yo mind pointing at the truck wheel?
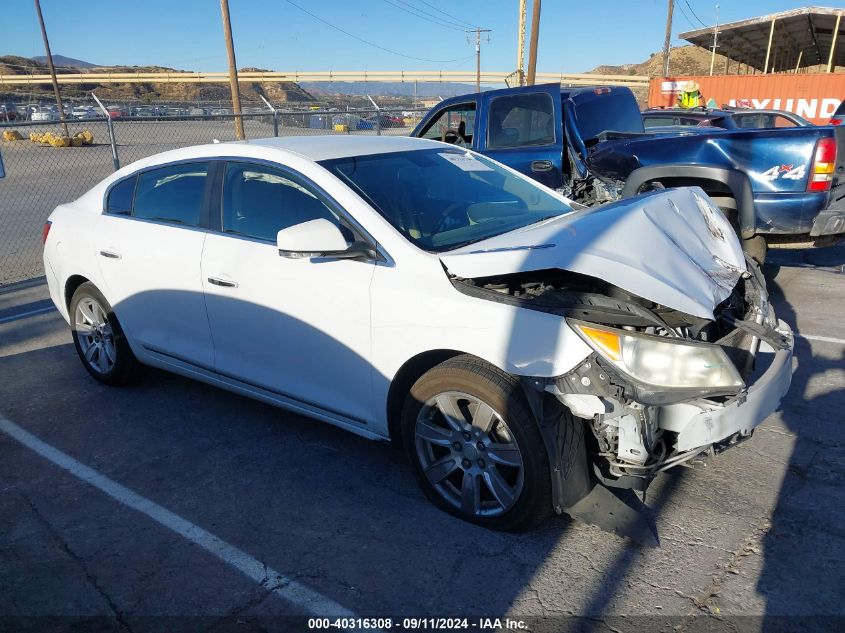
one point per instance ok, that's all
(475, 447)
(756, 248)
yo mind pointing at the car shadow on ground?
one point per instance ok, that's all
(802, 576)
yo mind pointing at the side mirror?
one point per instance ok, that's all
(319, 238)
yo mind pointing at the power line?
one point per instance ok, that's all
(443, 24)
(686, 15)
(448, 15)
(368, 43)
(694, 14)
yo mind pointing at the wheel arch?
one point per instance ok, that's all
(73, 282)
(710, 178)
(411, 371)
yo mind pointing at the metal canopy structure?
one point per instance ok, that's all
(779, 42)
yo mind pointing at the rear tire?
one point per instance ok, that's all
(99, 339)
(484, 459)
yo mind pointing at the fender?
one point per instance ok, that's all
(736, 181)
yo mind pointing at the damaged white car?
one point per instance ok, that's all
(528, 354)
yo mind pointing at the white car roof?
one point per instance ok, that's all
(324, 147)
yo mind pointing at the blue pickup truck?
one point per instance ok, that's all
(779, 187)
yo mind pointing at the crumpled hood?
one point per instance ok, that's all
(673, 247)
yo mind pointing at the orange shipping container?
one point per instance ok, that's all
(813, 96)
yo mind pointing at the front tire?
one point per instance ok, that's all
(99, 339)
(475, 447)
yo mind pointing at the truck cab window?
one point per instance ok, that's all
(453, 125)
(521, 120)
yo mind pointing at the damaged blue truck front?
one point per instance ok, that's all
(780, 187)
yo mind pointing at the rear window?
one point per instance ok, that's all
(657, 121)
(840, 109)
(617, 112)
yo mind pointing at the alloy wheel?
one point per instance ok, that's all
(468, 454)
(95, 335)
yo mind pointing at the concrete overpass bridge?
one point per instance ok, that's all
(375, 76)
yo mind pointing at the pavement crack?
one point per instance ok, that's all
(89, 576)
(703, 603)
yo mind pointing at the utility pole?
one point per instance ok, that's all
(668, 40)
(715, 39)
(478, 31)
(52, 68)
(520, 43)
(233, 71)
(532, 48)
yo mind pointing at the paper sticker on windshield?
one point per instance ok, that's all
(467, 162)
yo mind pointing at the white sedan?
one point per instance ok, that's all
(526, 353)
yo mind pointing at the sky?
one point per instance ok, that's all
(288, 35)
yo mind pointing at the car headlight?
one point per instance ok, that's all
(662, 362)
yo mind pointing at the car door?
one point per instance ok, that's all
(149, 244)
(297, 327)
(524, 131)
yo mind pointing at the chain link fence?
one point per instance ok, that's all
(39, 177)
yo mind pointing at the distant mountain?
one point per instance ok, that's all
(387, 88)
(61, 60)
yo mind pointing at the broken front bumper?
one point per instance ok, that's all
(705, 422)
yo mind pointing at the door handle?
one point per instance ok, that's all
(111, 254)
(541, 165)
(225, 283)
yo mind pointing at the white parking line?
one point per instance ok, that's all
(24, 315)
(823, 339)
(279, 584)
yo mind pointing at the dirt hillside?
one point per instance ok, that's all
(276, 92)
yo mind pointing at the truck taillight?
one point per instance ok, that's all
(824, 163)
(835, 121)
(45, 231)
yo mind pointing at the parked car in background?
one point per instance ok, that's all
(728, 119)
(8, 112)
(383, 120)
(782, 187)
(569, 349)
(84, 112)
(117, 112)
(45, 114)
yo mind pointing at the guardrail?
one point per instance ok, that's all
(375, 76)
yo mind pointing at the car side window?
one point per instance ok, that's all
(174, 193)
(521, 120)
(259, 202)
(120, 197)
(453, 125)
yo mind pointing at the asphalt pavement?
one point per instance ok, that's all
(171, 505)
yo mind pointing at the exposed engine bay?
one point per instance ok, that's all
(634, 431)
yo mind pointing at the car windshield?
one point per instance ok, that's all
(441, 199)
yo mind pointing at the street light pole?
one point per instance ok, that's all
(52, 68)
(233, 71)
